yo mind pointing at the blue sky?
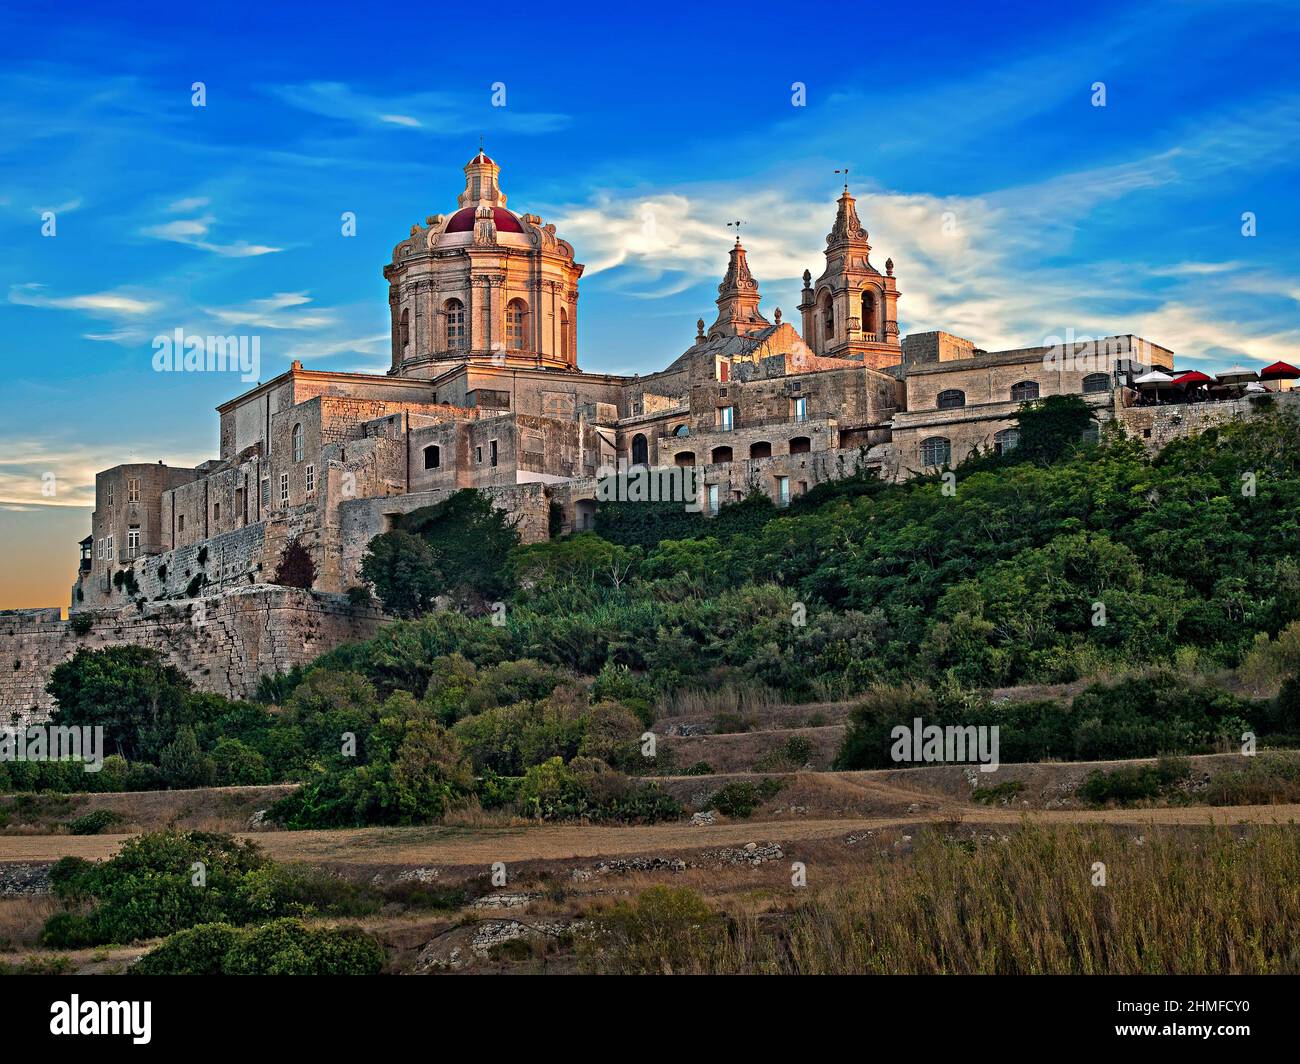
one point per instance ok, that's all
(639, 135)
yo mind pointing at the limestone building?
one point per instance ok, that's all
(484, 391)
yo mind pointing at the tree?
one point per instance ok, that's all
(1051, 427)
(296, 569)
(471, 541)
(404, 572)
(183, 764)
(129, 691)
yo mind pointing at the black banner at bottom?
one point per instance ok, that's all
(184, 1014)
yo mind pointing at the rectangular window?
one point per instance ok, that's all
(109, 495)
(726, 418)
(311, 480)
(266, 491)
(478, 455)
(99, 549)
(801, 409)
(783, 491)
(133, 490)
(216, 512)
(713, 495)
(132, 542)
(180, 523)
(284, 489)
(492, 451)
(109, 547)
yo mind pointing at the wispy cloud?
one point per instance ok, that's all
(104, 304)
(193, 232)
(438, 113)
(184, 206)
(271, 313)
(992, 266)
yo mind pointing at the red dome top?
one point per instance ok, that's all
(463, 221)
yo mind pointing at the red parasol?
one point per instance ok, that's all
(1193, 378)
(1279, 371)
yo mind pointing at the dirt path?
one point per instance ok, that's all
(467, 846)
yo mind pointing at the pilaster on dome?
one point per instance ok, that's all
(482, 183)
(738, 299)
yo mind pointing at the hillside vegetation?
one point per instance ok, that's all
(1058, 562)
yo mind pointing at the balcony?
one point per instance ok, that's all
(738, 423)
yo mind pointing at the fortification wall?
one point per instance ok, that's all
(1157, 426)
(225, 643)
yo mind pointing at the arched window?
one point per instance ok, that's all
(721, 454)
(1096, 382)
(682, 430)
(800, 444)
(640, 450)
(1006, 441)
(870, 327)
(951, 399)
(404, 329)
(684, 458)
(516, 315)
(454, 310)
(1024, 391)
(936, 451)
(761, 449)
(432, 456)
(828, 319)
(298, 453)
(564, 334)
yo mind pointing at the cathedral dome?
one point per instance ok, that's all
(463, 221)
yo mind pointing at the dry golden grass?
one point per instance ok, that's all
(1206, 902)
(22, 918)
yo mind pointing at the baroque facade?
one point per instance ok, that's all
(485, 392)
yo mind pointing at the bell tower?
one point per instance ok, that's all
(738, 299)
(852, 310)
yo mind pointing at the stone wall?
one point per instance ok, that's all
(224, 643)
(1157, 426)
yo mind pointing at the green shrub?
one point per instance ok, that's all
(149, 887)
(282, 947)
(1133, 783)
(68, 930)
(289, 947)
(740, 798)
(81, 623)
(94, 822)
(1003, 792)
(197, 950)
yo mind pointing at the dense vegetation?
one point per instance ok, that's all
(1056, 562)
(281, 947)
(167, 881)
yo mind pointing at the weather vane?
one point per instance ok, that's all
(845, 172)
(737, 223)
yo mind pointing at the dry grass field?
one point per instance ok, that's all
(905, 870)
